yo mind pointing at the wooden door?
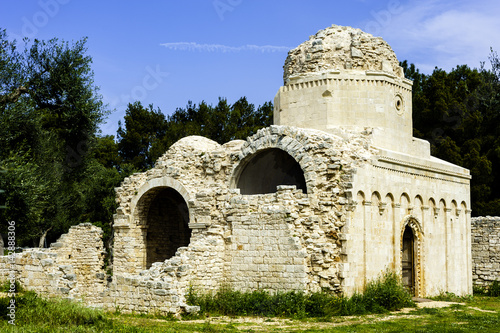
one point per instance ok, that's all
(407, 260)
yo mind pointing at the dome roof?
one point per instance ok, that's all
(197, 143)
(339, 48)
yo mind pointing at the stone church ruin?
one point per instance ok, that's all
(331, 195)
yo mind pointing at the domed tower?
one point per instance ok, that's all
(345, 79)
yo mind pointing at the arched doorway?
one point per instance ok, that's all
(269, 168)
(167, 225)
(408, 260)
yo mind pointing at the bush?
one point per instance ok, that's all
(494, 289)
(229, 302)
(384, 294)
(478, 290)
(387, 293)
(5, 286)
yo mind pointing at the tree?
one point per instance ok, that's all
(147, 134)
(50, 111)
(143, 128)
(459, 114)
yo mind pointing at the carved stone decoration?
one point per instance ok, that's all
(382, 207)
(436, 212)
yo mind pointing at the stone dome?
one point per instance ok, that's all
(197, 143)
(339, 48)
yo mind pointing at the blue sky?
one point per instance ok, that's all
(168, 52)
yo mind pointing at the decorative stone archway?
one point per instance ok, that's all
(411, 245)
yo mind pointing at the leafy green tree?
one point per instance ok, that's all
(50, 111)
(143, 128)
(459, 113)
(221, 123)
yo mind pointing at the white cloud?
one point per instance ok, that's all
(191, 46)
(443, 33)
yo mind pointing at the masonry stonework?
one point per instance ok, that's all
(72, 268)
(486, 250)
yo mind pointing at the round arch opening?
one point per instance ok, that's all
(167, 225)
(268, 169)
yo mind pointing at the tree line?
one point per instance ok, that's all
(58, 170)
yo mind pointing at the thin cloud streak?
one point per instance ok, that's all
(444, 33)
(192, 46)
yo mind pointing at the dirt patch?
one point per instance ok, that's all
(481, 310)
(437, 304)
(260, 324)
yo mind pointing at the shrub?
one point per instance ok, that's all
(5, 286)
(257, 303)
(319, 304)
(478, 290)
(384, 294)
(494, 289)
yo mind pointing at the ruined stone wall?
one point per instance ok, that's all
(71, 268)
(485, 250)
(195, 167)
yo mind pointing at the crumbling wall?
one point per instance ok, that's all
(485, 250)
(71, 268)
(288, 240)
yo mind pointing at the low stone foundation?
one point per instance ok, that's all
(485, 250)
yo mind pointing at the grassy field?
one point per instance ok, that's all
(474, 314)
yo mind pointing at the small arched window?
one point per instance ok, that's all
(269, 168)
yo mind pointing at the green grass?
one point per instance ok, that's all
(35, 314)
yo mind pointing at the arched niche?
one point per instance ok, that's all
(418, 205)
(167, 226)
(160, 210)
(376, 199)
(263, 171)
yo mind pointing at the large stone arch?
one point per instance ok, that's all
(266, 144)
(411, 222)
(160, 209)
(262, 172)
